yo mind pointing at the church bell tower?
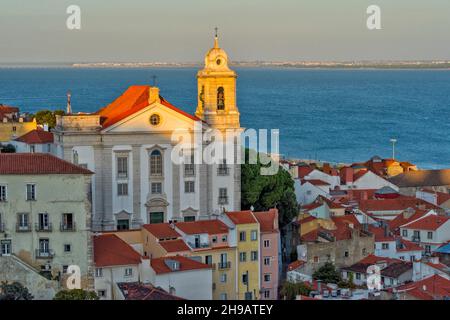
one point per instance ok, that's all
(217, 91)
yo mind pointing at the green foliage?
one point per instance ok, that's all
(7, 148)
(265, 192)
(327, 273)
(48, 117)
(76, 294)
(14, 291)
(291, 290)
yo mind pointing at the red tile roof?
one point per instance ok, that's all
(172, 246)
(307, 219)
(241, 217)
(36, 136)
(134, 99)
(402, 218)
(203, 226)
(268, 221)
(434, 287)
(430, 222)
(4, 110)
(110, 250)
(296, 264)
(346, 220)
(408, 246)
(397, 204)
(185, 264)
(138, 291)
(380, 234)
(36, 164)
(161, 230)
(316, 182)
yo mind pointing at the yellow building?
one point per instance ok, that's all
(247, 236)
(12, 125)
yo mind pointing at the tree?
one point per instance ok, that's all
(268, 191)
(8, 148)
(327, 273)
(14, 291)
(291, 290)
(76, 294)
(48, 117)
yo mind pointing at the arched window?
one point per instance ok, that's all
(156, 163)
(220, 98)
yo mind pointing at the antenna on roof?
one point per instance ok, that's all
(154, 77)
(69, 106)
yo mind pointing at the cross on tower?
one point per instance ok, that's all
(217, 31)
(154, 77)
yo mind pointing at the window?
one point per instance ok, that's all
(44, 247)
(189, 186)
(156, 163)
(242, 236)
(346, 254)
(5, 247)
(64, 268)
(214, 239)
(405, 232)
(98, 272)
(316, 259)
(427, 248)
(155, 119)
(430, 235)
(43, 222)
(248, 296)
(267, 277)
(101, 293)
(32, 148)
(385, 246)
(208, 260)
(245, 278)
(358, 276)
(402, 258)
(156, 187)
(267, 261)
(123, 224)
(189, 219)
(67, 223)
(122, 189)
(67, 248)
(3, 193)
(223, 277)
(128, 272)
(122, 167)
(243, 256)
(220, 98)
(254, 235)
(156, 217)
(266, 243)
(412, 258)
(254, 255)
(223, 296)
(364, 251)
(223, 169)
(31, 192)
(23, 221)
(266, 294)
(223, 196)
(224, 238)
(189, 167)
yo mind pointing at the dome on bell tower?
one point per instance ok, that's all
(216, 59)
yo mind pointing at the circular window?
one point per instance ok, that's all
(218, 62)
(155, 119)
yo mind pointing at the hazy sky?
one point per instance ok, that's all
(182, 30)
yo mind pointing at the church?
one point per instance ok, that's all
(128, 145)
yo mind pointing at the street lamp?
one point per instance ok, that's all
(393, 141)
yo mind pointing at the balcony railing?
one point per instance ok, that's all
(201, 245)
(2, 227)
(23, 227)
(43, 227)
(223, 171)
(224, 265)
(189, 171)
(44, 254)
(223, 200)
(68, 227)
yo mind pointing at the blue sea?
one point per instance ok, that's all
(328, 115)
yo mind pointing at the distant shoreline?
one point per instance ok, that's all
(357, 65)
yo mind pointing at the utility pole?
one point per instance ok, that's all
(393, 141)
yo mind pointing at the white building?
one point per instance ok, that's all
(306, 191)
(38, 140)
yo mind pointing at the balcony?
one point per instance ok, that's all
(224, 265)
(68, 227)
(44, 254)
(223, 171)
(2, 227)
(202, 245)
(39, 227)
(416, 238)
(223, 200)
(189, 171)
(23, 227)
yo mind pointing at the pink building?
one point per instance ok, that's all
(270, 248)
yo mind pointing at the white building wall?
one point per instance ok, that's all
(192, 285)
(113, 275)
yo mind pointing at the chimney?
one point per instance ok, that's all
(145, 270)
(364, 195)
(153, 95)
(347, 175)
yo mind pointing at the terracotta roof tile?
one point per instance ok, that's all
(172, 246)
(429, 288)
(296, 264)
(36, 136)
(268, 221)
(110, 250)
(203, 226)
(36, 164)
(430, 222)
(138, 291)
(162, 230)
(185, 264)
(241, 217)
